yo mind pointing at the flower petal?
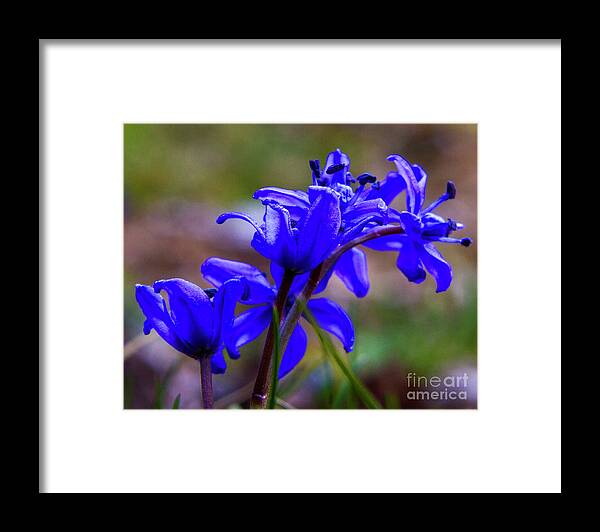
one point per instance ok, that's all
(421, 176)
(318, 230)
(295, 201)
(386, 243)
(358, 229)
(352, 269)
(247, 327)
(191, 311)
(224, 302)
(324, 281)
(436, 226)
(437, 266)
(374, 209)
(411, 223)
(216, 271)
(409, 263)
(389, 188)
(414, 193)
(217, 363)
(294, 351)
(336, 159)
(157, 318)
(298, 282)
(333, 318)
(393, 216)
(278, 241)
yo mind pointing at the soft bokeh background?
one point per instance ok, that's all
(179, 178)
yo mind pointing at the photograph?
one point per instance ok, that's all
(300, 266)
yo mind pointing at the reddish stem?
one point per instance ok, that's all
(260, 394)
(206, 381)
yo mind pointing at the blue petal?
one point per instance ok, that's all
(409, 262)
(421, 180)
(374, 209)
(389, 188)
(351, 268)
(318, 230)
(333, 318)
(437, 266)
(346, 195)
(278, 241)
(295, 201)
(299, 281)
(386, 243)
(324, 281)
(435, 226)
(217, 363)
(393, 216)
(358, 229)
(294, 351)
(246, 328)
(216, 271)
(297, 284)
(191, 311)
(412, 224)
(154, 308)
(414, 193)
(335, 159)
(224, 302)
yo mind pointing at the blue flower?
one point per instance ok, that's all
(422, 227)
(297, 243)
(251, 323)
(357, 208)
(195, 321)
(358, 211)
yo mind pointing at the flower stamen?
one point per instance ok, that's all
(448, 195)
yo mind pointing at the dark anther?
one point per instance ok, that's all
(315, 166)
(335, 168)
(363, 179)
(451, 190)
(466, 242)
(210, 292)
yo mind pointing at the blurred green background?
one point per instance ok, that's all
(179, 178)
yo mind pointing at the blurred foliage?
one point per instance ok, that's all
(225, 163)
(178, 178)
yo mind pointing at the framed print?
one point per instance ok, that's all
(300, 266)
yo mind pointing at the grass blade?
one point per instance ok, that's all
(359, 388)
(284, 404)
(161, 386)
(177, 402)
(276, 360)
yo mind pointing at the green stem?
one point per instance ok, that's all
(276, 360)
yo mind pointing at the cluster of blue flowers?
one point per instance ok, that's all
(299, 232)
